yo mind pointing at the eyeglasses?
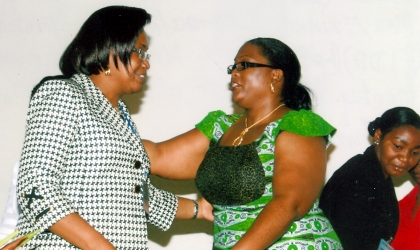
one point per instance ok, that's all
(142, 54)
(244, 65)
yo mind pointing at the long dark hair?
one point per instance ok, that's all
(280, 56)
(394, 118)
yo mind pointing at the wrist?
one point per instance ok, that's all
(195, 210)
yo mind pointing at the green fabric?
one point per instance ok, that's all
(206, 126)
(314, 231)
(306, 123)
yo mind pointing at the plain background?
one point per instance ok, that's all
(360, 58)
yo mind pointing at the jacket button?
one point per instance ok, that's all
(137, 189)
(137, 165)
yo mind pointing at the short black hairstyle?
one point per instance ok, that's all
(394, 118)
(111, 29)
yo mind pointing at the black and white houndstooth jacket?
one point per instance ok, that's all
(79, 155)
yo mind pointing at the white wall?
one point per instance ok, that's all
(359, 58)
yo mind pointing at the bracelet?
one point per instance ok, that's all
(195, 210)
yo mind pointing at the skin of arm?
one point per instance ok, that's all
(179, 157)
(298, 178)
(78, 232)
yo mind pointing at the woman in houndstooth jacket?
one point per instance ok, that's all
(83, 180)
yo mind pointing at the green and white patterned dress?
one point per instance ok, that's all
(238, 182)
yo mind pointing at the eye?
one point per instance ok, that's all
(397, 146)
(415, 153)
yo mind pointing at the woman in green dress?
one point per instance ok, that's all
(262, 170)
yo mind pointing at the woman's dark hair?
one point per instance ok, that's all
(394, 118)
(113, 28)
(280, 56)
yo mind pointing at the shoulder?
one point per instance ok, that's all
(306, 123)
(218, 116)
(218, 120)
(354, 173)
(60, 87)
(214, 115)
(55, 95)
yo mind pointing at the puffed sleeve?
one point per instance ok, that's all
(50, 127)
(306, 123)
(207, 125)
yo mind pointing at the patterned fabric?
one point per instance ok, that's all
(80, 156)
(313, 231)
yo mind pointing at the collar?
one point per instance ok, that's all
(100, 105)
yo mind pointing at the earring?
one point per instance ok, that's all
(108, 72)
(376, 143)
(272, 87)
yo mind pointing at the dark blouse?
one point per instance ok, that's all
(231, 175)
(360, 203)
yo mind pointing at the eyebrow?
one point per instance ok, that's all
(405, 142)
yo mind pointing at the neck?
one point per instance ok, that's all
(106, 86)
(256, 114)
(248, 126)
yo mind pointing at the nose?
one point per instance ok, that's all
(145, 63)
(404, 158)
(234, 72)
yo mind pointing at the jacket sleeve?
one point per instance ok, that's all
(50, 127)
(163, 207)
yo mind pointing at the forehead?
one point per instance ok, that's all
(142, 41)
(406, 133)
(250, 52)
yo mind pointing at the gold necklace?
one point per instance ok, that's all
(241, 136)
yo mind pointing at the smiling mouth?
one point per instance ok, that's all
(399, 169)
(142, 76)
(234, 85)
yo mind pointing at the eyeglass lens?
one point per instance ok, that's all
(238, 66)
(142, 54)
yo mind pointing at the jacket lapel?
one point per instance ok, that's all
(106, 112)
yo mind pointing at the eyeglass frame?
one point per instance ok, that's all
(146, 56)
(246, 65)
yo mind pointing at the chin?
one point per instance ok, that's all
(237, 101)
(137, 89)
(396, 173)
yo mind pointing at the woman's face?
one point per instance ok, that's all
(415, 173)
(251, 85)
(398, 150)
(131, 80)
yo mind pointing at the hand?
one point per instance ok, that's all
(205, 210)
(14, 244)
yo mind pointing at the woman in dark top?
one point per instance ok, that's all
(359, 199)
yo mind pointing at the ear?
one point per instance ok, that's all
(378, 135)
(277, 75)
